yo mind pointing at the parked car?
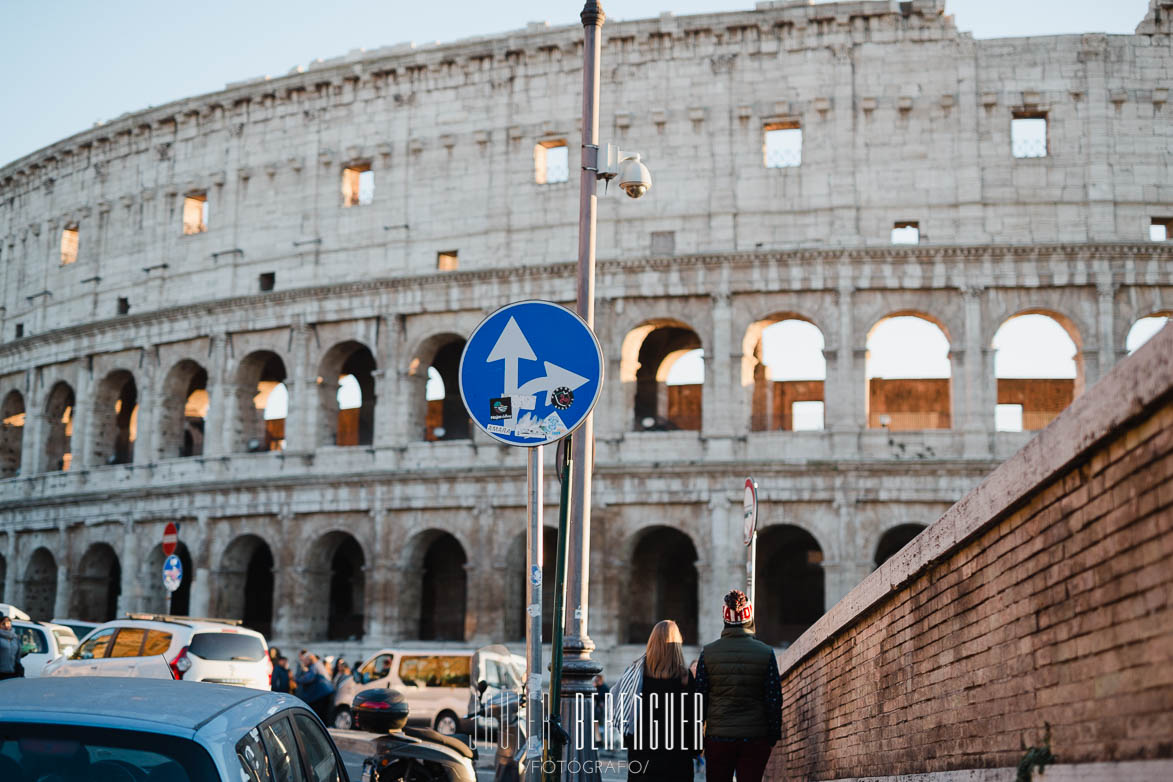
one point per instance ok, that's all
(12, 612)
(435, 683)
(80, 627)
(41, 643)
(201, 650)
(143, 730)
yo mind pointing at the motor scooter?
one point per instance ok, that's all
(404, 754)
(502, 705)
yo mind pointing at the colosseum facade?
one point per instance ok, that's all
(169, 273)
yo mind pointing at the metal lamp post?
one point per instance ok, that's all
(579, 669)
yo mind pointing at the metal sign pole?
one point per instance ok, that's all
(553, 770)
(533, 625)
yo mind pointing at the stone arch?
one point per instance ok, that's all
(435, 596)
(155, 594)
(40, 585)
(336, 559)
(663, 584)
(12, 420)
(59, 414)
(646, 357)
(517, 585)
(245, 583)
(3, 576)
(790, 583)
(775, 394)
(1032, 386)
(1144, 328)
(895, 539)
(903, 394)
(97, 583)
(445, 417)
(258, 375)
(183, 411)
(353, 425)
(115, 418)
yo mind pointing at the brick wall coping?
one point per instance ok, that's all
(1132, 386)
(1122, 771)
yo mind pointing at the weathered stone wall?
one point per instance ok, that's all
(904, 118)
(1042, 598)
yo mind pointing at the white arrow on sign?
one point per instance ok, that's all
(511, 347)
(556, 377)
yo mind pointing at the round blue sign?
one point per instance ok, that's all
(531, 373)
(172, 573)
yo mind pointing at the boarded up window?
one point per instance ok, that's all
(1028, 134)
(551, 162)
(782, 144)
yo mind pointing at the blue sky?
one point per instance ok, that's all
(69, 63)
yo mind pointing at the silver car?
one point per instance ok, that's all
(148, 730)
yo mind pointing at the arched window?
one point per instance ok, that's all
(155, 594)
(40, 585)
(96, 585)
(262, 401)
(11, 434)
(908, 375)
(183, 411)
(895, 539)
(336, 562)
(1143, 330)
(1035, 362)
(346, 389)
(115, 419)
(665, 359)
(663, 585)
(789, 372)
(245, 583)
(447, 418)
(443, 590)
(790, 584)
(59, 412)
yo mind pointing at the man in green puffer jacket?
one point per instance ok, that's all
(738, 675)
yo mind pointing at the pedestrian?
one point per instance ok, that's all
(601, 690)
(281, 678)
(738, 676)
(313, 685)
(10, 667)
(274, 653)
(665, 737)
(341, 672)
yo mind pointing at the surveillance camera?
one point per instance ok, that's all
(634, 177)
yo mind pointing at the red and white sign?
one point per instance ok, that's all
(170, 538)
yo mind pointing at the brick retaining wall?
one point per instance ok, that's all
(1043, 596)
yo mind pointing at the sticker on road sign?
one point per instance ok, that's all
(535, 575)
(172, 573)
(530, 373)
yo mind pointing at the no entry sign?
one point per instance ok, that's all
(170, 538)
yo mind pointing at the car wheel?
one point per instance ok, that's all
(446, 723)
(343, 719)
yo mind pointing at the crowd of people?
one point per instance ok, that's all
(314, 679)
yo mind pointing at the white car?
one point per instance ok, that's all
(202, 650)
(142, 730)
(12, 612)
(41, 643)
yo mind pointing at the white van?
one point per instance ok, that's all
(41, 643)
(436, 683)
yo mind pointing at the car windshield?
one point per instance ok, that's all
(227, 646)
(72, 753)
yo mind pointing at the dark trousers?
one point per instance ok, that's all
(747, 758)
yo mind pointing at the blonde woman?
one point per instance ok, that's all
(663, 740)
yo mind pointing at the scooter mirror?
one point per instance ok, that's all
(482, 685)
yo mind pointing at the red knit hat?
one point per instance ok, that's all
(738, 609)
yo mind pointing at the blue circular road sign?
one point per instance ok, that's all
(172, 573)
(531, 373)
